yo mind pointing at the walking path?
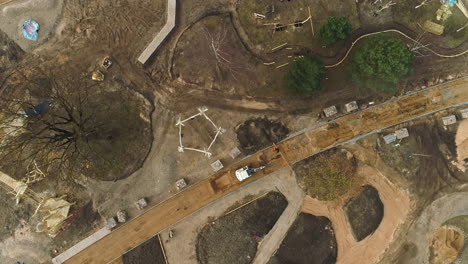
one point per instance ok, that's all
(162, 34)
(272, 241)
(310, 142)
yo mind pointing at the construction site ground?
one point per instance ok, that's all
(233, 237)
(310, 240)
(76, 35)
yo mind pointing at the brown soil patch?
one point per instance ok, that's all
(233, 238)
(461, 140)
(365, 212)
(447, 243)
(310, 240)
(150, 252)
(256, 134)
(12, 214)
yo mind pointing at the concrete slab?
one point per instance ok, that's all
(170, 24)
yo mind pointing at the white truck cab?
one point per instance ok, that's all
(246, 172)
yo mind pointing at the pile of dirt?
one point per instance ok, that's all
(365, 212)
(447, 242)
(149, 252)
(233, 239)
(310, 240)
(256, 134)
(328, 175)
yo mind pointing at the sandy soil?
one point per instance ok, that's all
(447, 242)
(461, 140)
(396, 207)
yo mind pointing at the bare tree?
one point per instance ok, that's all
(62, 124)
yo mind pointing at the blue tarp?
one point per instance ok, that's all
(30, 29)
(451, 2)
(38, 110)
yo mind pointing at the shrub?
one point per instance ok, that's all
(335, 29)
(380, 63)
(306, 75)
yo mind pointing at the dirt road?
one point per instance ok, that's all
(293, 150)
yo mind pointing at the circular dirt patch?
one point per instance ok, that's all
(447, 243)
(256, 134)
(365, 212)
(233, 239)
(310, 240)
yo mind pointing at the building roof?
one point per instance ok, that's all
(329, 111)
(402, 133)
(390, 138)
(351, 106)
(449, 120)
(464, 113)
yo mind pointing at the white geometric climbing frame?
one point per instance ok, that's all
(218, 131)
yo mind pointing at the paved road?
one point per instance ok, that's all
(294, 149)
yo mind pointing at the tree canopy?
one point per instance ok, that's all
(306, 75)
(380, 63)
(328, 175)
(335, 29)
(73, 125)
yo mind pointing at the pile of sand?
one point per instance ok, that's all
(461, 140)
(447, 242)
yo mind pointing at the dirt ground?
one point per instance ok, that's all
(425, 158)
(289, 12)
(461, 140)
(233, 238)
(310, 240)
(365, 212)
(12, 214)
(447, 242)
(256, 134)
(149, 252)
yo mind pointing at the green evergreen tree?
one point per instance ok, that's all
(380, 63)
(306, 75)
(335, 29)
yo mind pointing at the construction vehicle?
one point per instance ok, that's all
(247, 172)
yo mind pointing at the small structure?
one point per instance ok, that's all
(122, 216)
(433, 28)
(141, 204)
(402, 133)
(111, 223)
(390, 138)
(351, 106)
(106, 63)
(97, 76)
(449, 120)
(218, 131)
(464, 113)
(235, 152)
(181, 184)
(329, 111)
(217, 165)
(30, 30)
